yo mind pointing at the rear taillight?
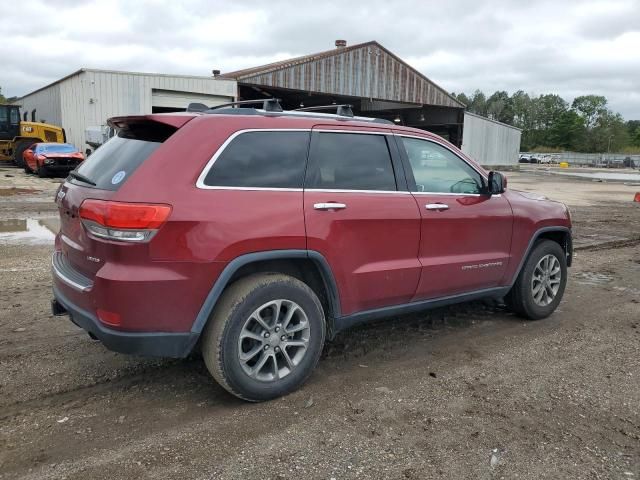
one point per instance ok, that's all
(126, 222)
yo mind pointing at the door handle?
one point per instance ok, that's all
(329, 206)
(436, 206)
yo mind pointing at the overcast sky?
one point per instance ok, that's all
(566, 47)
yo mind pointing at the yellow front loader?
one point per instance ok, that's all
(16, 135)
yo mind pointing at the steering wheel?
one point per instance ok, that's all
(467, 185)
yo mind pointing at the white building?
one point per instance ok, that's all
(492, 144)
(89, 97)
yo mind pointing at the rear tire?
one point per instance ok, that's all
(540, 285)
(264, 337)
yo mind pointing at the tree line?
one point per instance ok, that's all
(550, 123)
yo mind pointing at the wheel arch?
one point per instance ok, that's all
(558, 234)
(306, 265)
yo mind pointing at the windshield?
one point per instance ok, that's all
(57, 148)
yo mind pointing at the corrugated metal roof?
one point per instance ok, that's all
(364, 70)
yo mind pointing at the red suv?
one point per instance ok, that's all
(255, 234)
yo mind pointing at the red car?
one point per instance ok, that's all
(51, 158)
(257, 234)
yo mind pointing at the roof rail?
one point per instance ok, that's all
(344, 110)
(272, 106)
(268, 104)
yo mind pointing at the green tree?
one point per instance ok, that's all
(633, 128)
(568, 132)
(461, 97)
(499, 107)
(478, 103)
(590, 107)
(2, 99)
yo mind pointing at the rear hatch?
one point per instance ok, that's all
(96, 182)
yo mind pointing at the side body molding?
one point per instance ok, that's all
(335, 320)
(238, 262)
(568, 248)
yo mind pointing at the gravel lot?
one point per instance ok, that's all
(463, 392)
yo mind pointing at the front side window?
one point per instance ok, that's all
(438, 170)
(350, 161)
(269, 159)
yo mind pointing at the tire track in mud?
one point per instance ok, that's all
(144, 375)
(613, 245)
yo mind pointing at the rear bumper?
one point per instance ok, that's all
(155, 344)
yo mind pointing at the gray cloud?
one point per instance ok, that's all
(569, 48)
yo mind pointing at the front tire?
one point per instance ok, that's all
(540, 285)
(264, 337)
(41, 170)
(21, 146)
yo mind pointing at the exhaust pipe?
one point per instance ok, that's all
(57, 308)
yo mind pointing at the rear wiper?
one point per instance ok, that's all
(82, 178)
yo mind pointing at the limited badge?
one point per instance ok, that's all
(117, 178)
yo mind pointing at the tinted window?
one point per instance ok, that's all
(350, 161)
(437, 169)
(261, 160)
(114, 162)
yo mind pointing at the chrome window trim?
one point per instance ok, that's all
(338, 190)
(497, 195)
(205, 171)
(432, 140)
(200, 182)
(382, 131)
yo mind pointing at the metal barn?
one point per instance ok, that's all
(368, 76)
(89, 97)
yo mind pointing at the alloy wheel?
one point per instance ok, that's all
(273, 340)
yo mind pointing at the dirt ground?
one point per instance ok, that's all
(463, 392)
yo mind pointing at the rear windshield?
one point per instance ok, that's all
(59, 148)
(111, 165)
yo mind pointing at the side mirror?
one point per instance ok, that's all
(497, 183)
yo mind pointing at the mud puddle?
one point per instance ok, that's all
(28, 230)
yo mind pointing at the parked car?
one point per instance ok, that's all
(255, 237)
(546, 159)
(51, 158)
(524, 159)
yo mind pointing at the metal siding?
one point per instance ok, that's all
(490, 143)
(47, 105)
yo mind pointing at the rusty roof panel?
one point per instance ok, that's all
(366, 70)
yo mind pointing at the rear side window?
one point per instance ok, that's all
(115, 161)
(261, 160)
(350, 161)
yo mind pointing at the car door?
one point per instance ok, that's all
(361, 218)
(465, 232)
